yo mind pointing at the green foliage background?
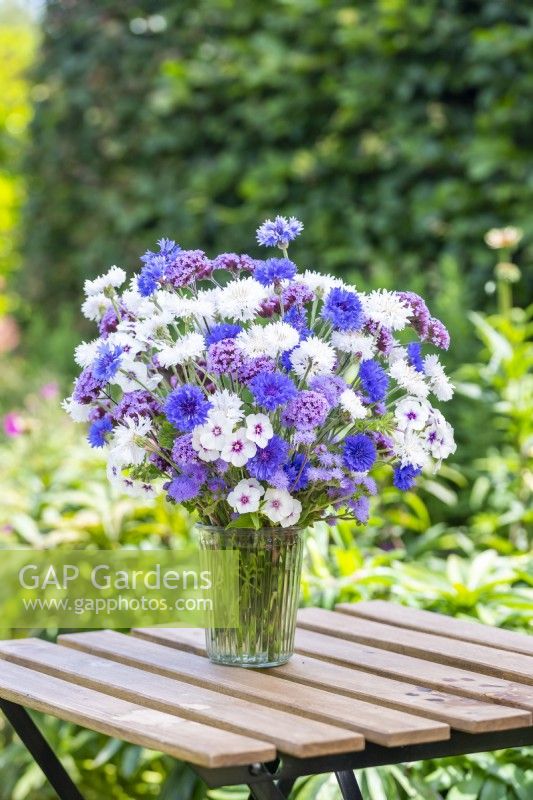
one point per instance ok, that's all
(398, 131)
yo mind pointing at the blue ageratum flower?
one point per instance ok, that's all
(344, 310)
(268, 460)
(374, 380)
(107, 362)
(223, 331)
(98, 430)
(182, 488)
(274, 270)
(359, 453)
(405, 477)
(414, 355)
(280, 232)
(186, 407)
(272, 389)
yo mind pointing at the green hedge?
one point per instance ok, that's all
(398, 131)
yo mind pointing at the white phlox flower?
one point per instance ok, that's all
(313, 357)
(408, 378)
(246, 496)
(204, 453)
(410, 448)
(439, 436)
(259, 429)
(125, 484)
(440, 384)
(237, 448)
(279, 506)
(240, 299)
(411, 413)
(212, 435)
(187, 347)
(357, 344)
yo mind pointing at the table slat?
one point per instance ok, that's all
(461, 713)
(389, 727)
(426, 673)
(501, 663)
(440, 625)
(186, 740)
(290, 733)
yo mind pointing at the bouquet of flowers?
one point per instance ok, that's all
(256, 394)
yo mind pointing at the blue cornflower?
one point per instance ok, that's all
(168, 250)
(404, 477)
(97, 432)
(279, 232)
(272, 389)
(107, 362)
(297, 317)
(374, 380)
(150, 275)
(186, 407)
(222, 331)
(344, 310)
(297, 471)
(268, 460)
(274, 270)
(414, 352)
(183, 487)
(359, 453)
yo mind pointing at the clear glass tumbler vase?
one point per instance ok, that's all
(270, 567)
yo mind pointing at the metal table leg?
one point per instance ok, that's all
(32, 738)
(348, 785)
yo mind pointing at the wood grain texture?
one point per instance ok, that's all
(440, 625)
(389, 727)
(461, 713)
(290, 733)
(183, 739)
(487, 660)
(436, 676)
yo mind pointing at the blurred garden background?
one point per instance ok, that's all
(400, 133)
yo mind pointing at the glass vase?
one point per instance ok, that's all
(270, 567)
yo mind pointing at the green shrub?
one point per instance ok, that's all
(398, 131)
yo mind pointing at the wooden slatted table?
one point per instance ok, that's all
(370, 684)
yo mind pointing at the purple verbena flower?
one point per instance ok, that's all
(269, 307)
(183, 452)
(224, 358)
(279, 232)
(420, 315)
(234, 262)
(374, 380)
(138, 403)
(274, 270)
(186, 407)
(438, 334)
(296, 294)
(268, 460)
(343, 309)
(188, 266)
(87, 387)
(253, 366)
(383, 336)
(109, 322)
(331, 386)
(272, 389)
(305, 411)
(359, 453)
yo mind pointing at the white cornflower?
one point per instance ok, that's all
(240, 299)
(95, 306)
(351, 402)
(319, 283)
(313, 357)
(132, 299)
(237, 448)
(204, 453)
(85, 353)
(259, 429)
(214, 432)
(411, 413)
(410, 448)
(246, 496)
(112, 279)
(78, 412)
(439, 382)
(387, 308)
(191, 345)
(228, 404)
(280, 506)
(134, 375)
(154, 327)
(397, 353)
(124, 446)
(357, 344)
(268, 340)
(409, 379)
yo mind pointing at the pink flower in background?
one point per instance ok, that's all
(13, 424)
(50, 390)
